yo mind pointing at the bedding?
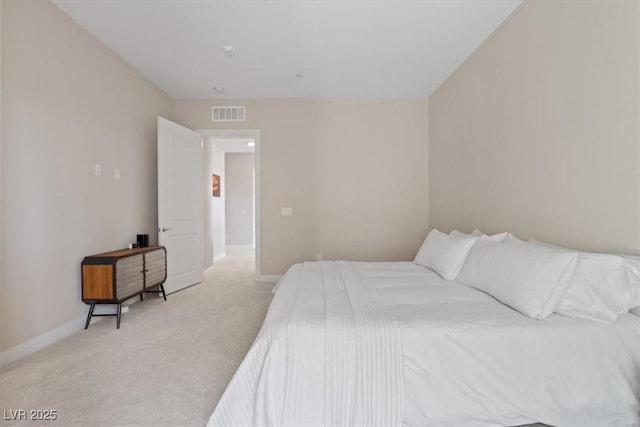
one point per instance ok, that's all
(602, 285)
(445, 254)
(393, 344)
(597, 280)
(530, 278)
(499, 237)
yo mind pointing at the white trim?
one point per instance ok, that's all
(273, 278)
(219, 257)
(255, 134)
(61, 332)
(40, 342)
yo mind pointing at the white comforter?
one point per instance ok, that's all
(393, 344)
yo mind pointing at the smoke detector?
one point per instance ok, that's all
(228, 50)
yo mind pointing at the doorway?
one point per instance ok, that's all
(232, 215)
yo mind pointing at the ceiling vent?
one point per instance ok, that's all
(228, 114)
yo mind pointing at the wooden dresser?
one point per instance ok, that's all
(114, 277)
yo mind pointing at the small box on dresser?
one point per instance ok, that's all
(114, 277)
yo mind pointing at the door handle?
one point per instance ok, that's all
(163, 229)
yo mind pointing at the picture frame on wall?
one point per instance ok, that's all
(215, 185)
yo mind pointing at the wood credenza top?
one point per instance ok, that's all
(126, 252)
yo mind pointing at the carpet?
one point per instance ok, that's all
(167, 365)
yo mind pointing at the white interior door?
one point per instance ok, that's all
(180, 203)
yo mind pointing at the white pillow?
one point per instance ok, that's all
(444, 254)
(595, 281)
(587, 293)
(457, 233)
(510, 238)
(624, 293)
(499, 237)
(529, 278)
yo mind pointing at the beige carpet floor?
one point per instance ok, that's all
(167, 365)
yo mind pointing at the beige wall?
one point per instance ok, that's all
(2, 296)
(68, 102)
(371, 179)
(238, 189)
(538, 131)
(354, 172)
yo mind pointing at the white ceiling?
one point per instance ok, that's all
(379, 49)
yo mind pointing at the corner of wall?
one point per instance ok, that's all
(428, 160)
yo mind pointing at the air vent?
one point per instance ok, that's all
(228, 114)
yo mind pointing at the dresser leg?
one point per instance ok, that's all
(118, 317)
(86, 325)
(163, 294)
(141, 296)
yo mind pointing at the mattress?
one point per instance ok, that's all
(387, 344)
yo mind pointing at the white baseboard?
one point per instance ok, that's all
(40, 342)
(219, 257)
(273, 278)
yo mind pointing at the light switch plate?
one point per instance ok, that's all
(117, 174)
(97, 169)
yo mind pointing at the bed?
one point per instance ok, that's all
(391, 344)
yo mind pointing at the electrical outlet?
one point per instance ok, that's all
(286, 211)
(117, 174)
(97, 170)
(319, 257)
